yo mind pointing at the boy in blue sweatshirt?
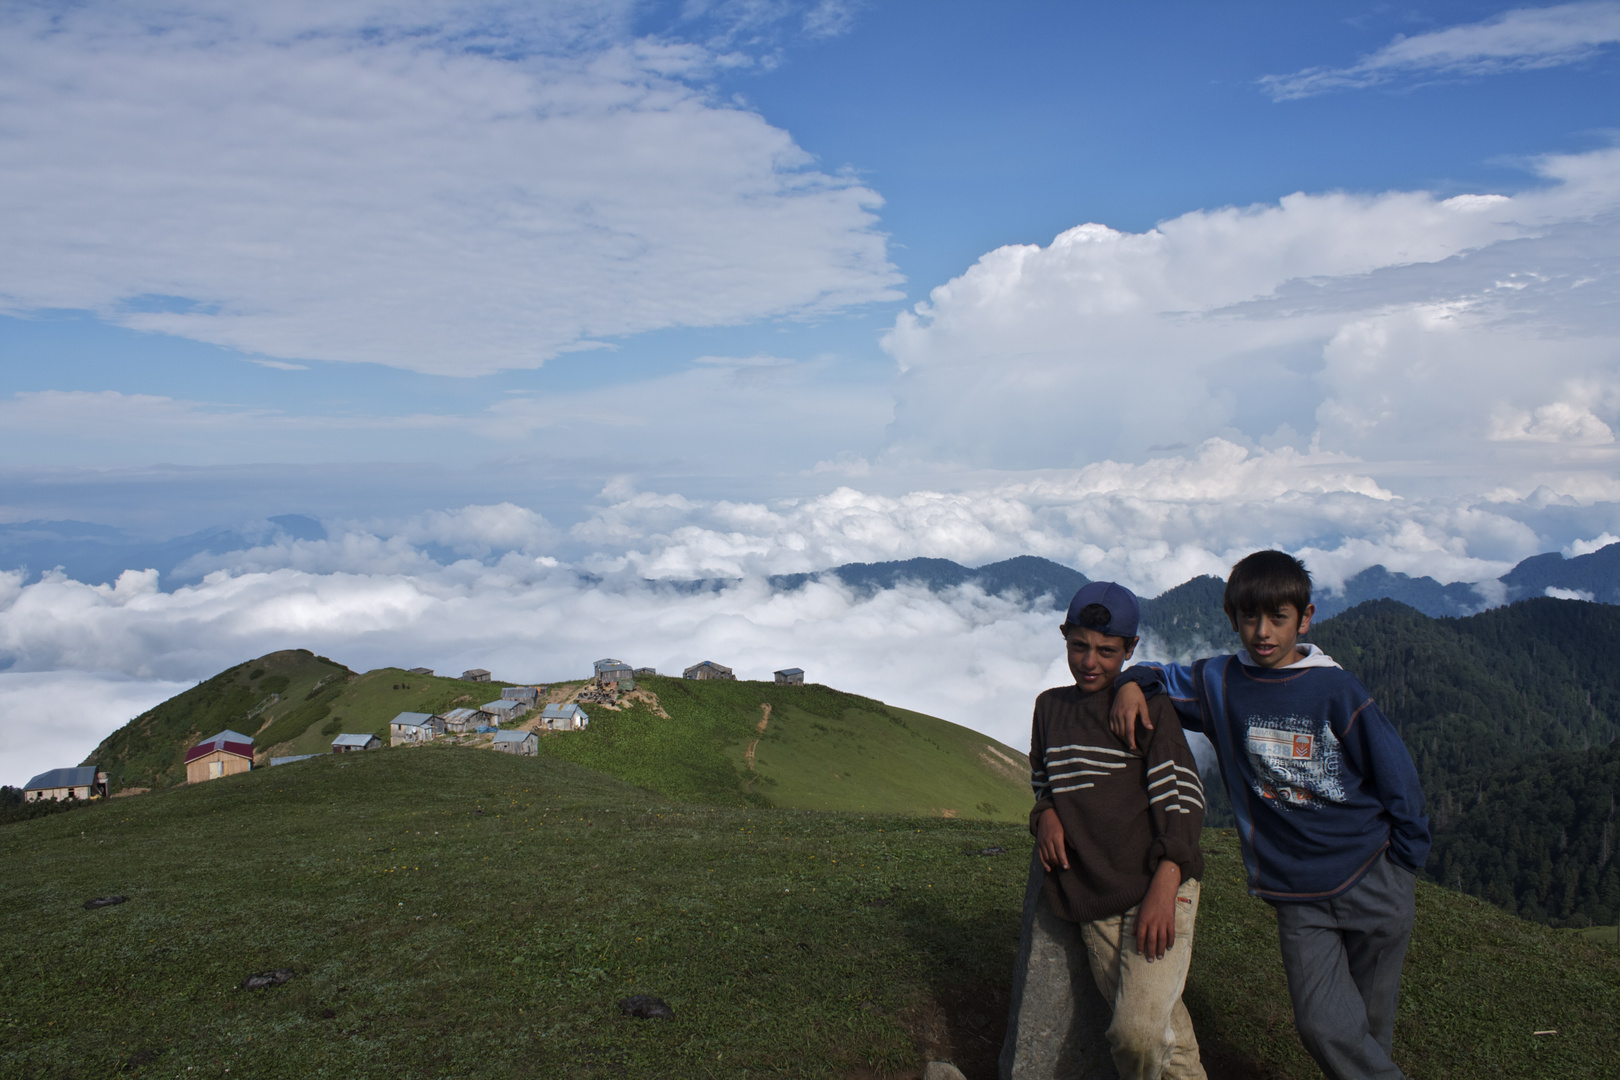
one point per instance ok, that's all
(1328, 808)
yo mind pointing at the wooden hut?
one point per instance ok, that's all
(708, 669)
(790, 677)
(79, 782)
(526, 743)
(226, 754)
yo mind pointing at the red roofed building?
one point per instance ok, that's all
(225, 754)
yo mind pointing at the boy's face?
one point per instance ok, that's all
(1272, 637)
(1095, 657)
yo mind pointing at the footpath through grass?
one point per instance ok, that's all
(451, 912)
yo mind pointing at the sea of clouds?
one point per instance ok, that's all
(1427, 380)
(501, 587)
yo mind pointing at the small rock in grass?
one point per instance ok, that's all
(647, 1007)
(942, 1070)
(103, 901)
(266, 978)
(139, 1058)
(993, 851)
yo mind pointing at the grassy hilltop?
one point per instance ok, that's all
(807, 747)
(291, 702)
(719, 742)
(448, 912)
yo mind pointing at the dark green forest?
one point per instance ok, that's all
(1511, 716)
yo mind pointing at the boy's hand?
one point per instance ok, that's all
(1049, 841)
(1130, 705)
(1156, 917)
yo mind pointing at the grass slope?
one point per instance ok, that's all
(150, 750)
(450, 912)
(298, 702)
(819, 749)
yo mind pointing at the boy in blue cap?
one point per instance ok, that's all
(1328, 807)
(1117, 831)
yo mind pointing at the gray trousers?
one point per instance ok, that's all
(1343, 957)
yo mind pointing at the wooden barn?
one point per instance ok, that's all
(708, 669)
(526, 694)
(79, 782)
(526, 743)
(226, 754)
(502, 710)
(790, 677)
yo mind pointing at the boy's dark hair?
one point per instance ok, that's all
(1090, 617)
(1265, 581)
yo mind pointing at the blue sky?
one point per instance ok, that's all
(724, 288)
(977, 127)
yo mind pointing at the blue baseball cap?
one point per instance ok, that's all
(1123, 611)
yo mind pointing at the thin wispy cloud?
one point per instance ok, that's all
(1519, 40)
(455, 191)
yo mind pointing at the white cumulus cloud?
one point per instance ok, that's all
(1460, 342)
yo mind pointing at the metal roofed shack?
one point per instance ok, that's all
(78, 782)
(226, 754)
(476, 674)
(461, 721)
(616, 672)
(526, 694)
(790, 676)
(525, 743)
(504, 710)
(708, 669)
(348, 744)
(564, 718)
(410, 728)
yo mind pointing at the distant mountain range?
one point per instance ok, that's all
(1187, 613)
(97, 554)
(1196, 605)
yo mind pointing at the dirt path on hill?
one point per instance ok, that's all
(748, 754)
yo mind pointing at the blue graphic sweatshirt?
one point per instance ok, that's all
(1320, 781)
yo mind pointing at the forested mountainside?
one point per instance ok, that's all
(1511, 716)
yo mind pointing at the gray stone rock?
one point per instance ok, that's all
(942, 1070)
(1057, 1022)
(266, 978)
(647, 1007)
(103, 901)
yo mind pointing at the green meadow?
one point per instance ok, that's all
(804, 747)
(451, 912)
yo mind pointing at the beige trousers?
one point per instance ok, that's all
(1152, 1035)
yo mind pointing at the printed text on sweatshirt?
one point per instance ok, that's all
(1320, 781)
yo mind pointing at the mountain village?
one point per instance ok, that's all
(497, 724)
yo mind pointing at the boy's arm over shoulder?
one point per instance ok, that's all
(1175, 793)
(1178, 682)
(1374, 748)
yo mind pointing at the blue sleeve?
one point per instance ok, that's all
(1180, 681)
(1374, 749)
